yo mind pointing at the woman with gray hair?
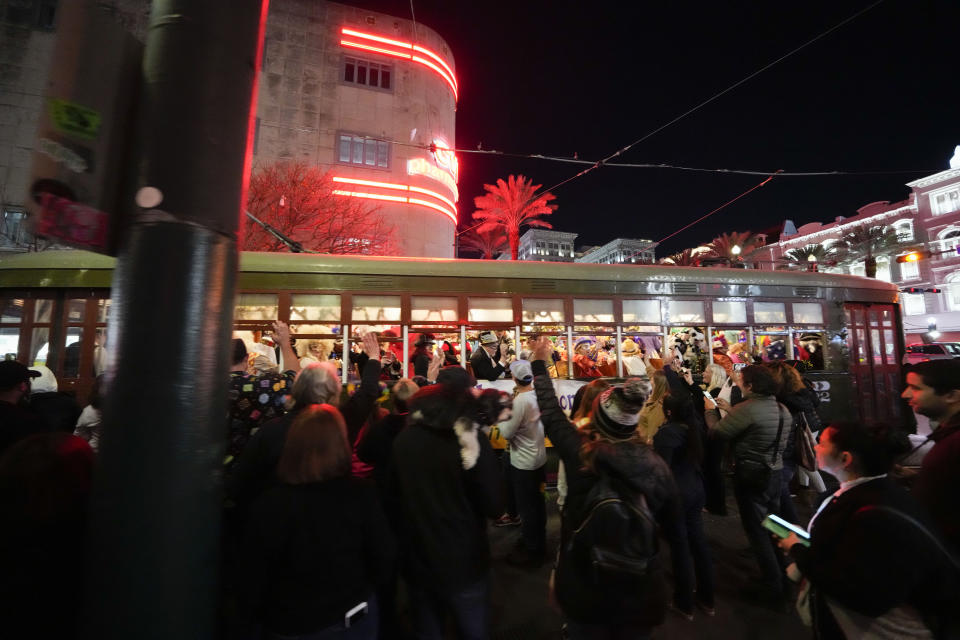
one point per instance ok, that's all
(318, 383)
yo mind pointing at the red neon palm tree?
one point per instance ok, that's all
(510, 205)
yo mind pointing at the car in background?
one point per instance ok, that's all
(919, 352)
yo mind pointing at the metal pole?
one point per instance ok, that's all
(463, 346)
(153, 549)
(569, 352)
(619, 351)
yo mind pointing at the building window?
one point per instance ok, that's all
(945, 202)
(858, 269)
(13, 228)
(909, 271)
(953, 292)
(913, 304)
(904, 229)
(369, 74)
(883, 269)
(949, 239)
(363, 151)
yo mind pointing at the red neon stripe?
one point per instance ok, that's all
(438, 59)
(440, 71)
(387, 185)
(370, 36)
(357, 45)
(445, 72)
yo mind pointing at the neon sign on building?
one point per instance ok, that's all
(387, 191)
(446, 171)
(400, 49)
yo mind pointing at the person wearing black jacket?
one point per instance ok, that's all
(317, 545)
(875, 566)
(447, 485)
(680, 443)
(488, 362)
(609, 442)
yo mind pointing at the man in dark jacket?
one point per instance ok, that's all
(447, 484)
(613, 449)
(488, 362)
(16, 420)
(58, 410)
(933, 390)
(758, 428)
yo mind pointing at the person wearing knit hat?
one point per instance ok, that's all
(617, 409)
(606, 452)
(633, 364)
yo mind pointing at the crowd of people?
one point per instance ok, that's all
(339, 507)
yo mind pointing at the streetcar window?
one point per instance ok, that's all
(75, 310)
(490, 309)
(12, 310)
(256, 306)
(593, 310)
(433, 309)
(103, 310)
(304, 306)
(9, 343)
(682, 311)
(376, 308)
(42, 310)
(642, 311)
(729, 311)
(769, 312)
(539, 310)
(807, 313)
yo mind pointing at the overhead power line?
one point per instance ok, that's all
(683, 115)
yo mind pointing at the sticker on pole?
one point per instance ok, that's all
(73, 223)
(73, 118)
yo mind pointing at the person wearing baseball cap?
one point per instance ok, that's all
(16, 420)
(523, 432)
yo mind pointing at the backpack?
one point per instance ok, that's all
(610, 567)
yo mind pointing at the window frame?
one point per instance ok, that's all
(363, 142)
(367, 65)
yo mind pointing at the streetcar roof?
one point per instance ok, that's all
(264, 262)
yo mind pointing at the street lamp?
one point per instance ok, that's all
(812, 259)
(735, 250)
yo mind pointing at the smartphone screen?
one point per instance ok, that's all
(782, 529)
(355, 615)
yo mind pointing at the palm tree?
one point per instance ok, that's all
(799, 258)
(489, 244)
(685, 258)
(510, 205)
(723, 245)
(866, 243)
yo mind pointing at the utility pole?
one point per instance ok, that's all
(155, 511)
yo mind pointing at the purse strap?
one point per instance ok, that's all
(776, 443)
(919, 525)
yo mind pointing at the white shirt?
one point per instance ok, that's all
(844, 487)
(524, 432)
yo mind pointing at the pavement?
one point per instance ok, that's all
(520, 610)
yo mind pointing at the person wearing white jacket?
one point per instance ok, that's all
(528, 455)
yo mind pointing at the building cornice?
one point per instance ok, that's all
(943, 176)
(807, 238)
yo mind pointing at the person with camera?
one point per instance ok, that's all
(758, 429)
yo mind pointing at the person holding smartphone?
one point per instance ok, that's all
(874, 565)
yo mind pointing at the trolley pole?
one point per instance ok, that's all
(154, 531)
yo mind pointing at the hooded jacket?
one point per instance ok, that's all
(631, 464)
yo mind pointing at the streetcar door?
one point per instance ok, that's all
(873, 341)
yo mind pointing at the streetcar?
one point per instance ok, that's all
(846, 330)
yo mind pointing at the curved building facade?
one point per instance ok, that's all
(371, 98)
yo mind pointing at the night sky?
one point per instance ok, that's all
(878, 94)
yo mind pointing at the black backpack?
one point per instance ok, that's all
(611, 563)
